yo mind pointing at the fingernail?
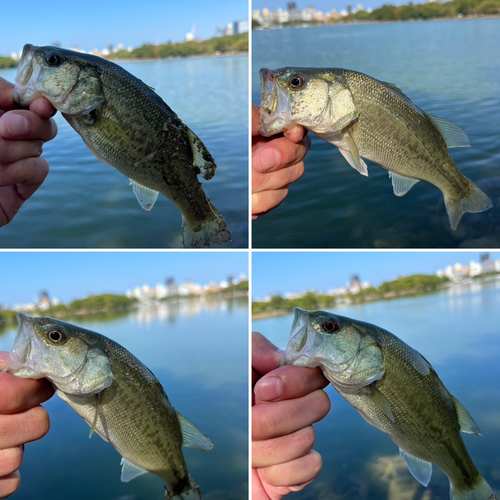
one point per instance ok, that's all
(4, 356)
(268, 158)
(268, 388)
(17, 125)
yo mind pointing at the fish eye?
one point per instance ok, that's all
(296, 81)
(56, 335)
(330, 325)
(53, 59)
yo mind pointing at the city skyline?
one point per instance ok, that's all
(320, 5)
(281, 273)
(103, 23)
(74, 275)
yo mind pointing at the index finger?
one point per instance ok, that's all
(6, 95)
(292, 381)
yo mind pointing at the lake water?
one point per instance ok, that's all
(198, 350)
(447, 68)
(84, 203)
(457, 331)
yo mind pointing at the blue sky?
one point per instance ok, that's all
(72, 275)
(297, 271)
(96, 24)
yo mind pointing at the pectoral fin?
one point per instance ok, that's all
(97, 404)
(466, 422)
(350, 152)
(130, 471)
(379, 400)
(452, 134)
(401, 184)
(420, 469)
(145, 196)
(192, 437)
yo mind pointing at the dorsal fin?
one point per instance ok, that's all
(452, 134)
(466, 422)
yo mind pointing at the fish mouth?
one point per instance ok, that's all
(275, 105)
(28, 73)
(26, 347)
(304, 341)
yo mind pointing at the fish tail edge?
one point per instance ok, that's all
(481, 491)
(192, 493)
(213, 231)
(475, 201)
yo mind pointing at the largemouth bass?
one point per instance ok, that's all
(117, 395)
(367, 118)
(395, 389)
(128, 126)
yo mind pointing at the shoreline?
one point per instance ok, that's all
(357, 22)
(196, 56)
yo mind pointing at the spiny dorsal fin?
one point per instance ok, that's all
(452, 134)
(466, 422)
(192, 437)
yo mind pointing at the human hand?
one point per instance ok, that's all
(22, 134)
(276, 163)
(22, 420)
(287, 400)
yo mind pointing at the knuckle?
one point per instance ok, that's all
(37, 423)
(10, 460)
(9, 484)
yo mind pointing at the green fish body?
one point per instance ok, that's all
(396, 390)
(127, 125)
(367, 118)
(116, 394)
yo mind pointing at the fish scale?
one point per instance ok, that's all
(367, 118)
(394, 389)
(116, 394)
(128, 126)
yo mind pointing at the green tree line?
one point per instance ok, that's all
(222, 44)
(7, 62)
(418, 283)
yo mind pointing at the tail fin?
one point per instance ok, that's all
(481, 491)
(193, 492)
(213, 231)
(476, 201)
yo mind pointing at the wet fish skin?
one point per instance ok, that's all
(395, 389)
(127, 125)
(115, 394)
(367, 118)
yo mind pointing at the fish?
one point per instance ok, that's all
(395, 389)
(116, 394)
(368, 118)
(126, 125)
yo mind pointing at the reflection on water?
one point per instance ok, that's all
(457, 331)
(198, 350)
(172, 309)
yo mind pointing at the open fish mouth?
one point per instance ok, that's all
(302, 346)
(28, 73)
(26, 348)
(275, 105)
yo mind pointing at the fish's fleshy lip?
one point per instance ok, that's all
(274, 106)
(22, 342)
(28, 72)
(298, 352)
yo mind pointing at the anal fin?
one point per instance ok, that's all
(420, 469)
(145, 196)
(130, 471)
(401, 184)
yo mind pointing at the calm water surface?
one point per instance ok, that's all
(84, 203)
(457, 331)
(450, 69)
(198, 351)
